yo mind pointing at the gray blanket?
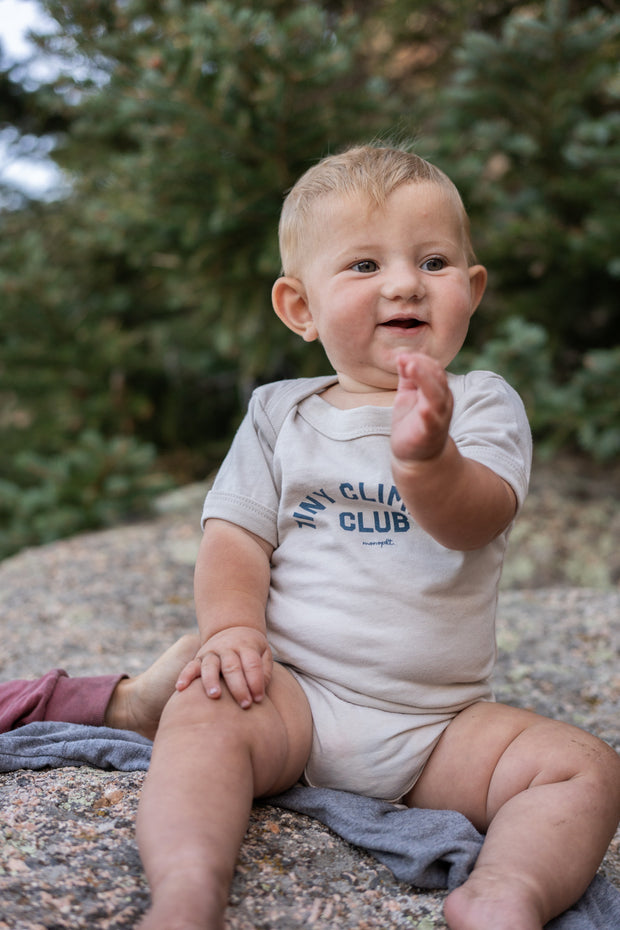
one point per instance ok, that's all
(428, 849)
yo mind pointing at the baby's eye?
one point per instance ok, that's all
(366, 266)
(434, 264)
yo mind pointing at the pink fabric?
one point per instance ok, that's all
(55, 696)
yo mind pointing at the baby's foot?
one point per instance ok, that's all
(492, 904)
(137, 703)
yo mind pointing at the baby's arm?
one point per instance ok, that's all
(231, 586)
(460, 502)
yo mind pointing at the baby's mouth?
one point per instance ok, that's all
(406, 323)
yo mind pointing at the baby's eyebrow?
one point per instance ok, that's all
(348, 256)
(439, 244)
(361, 250)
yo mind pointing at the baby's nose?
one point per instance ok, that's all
(404, 282)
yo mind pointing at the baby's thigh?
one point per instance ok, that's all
(491, 752)
(276, 732)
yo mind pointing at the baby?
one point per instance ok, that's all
(347, 579)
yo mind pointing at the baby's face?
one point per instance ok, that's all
(386, 280)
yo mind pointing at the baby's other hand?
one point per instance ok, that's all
(241, 657)
(422, 409)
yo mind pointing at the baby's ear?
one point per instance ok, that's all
(291, 304)
(477, 284)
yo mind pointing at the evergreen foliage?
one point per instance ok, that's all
(532, 115)
(139, 306)
(135, 310)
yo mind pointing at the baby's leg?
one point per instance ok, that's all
(210, 759)
(548, 797)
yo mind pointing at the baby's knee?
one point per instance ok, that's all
(591, 753)
(575, 753)
(600, 777)
(604, 763)
(191, 707)
(546, 752)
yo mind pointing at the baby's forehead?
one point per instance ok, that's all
(362, 204)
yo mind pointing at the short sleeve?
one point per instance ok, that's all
(244, 491)
(490, 425)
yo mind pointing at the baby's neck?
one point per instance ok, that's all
(338, 396)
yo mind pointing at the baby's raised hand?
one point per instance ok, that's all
(422, 409)
(241, 657)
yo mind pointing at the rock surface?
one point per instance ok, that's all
(114, 600)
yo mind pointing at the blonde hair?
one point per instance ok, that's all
(373, 171)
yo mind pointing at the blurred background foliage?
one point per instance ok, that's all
(135, 305)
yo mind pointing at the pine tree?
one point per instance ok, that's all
(139, 306)
(528, 125)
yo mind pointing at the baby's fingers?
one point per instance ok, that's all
(267, 663)
(238, 669)
(406, 366)
(257, 671)
(210, 671)
(420, 372)
(188, 674)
